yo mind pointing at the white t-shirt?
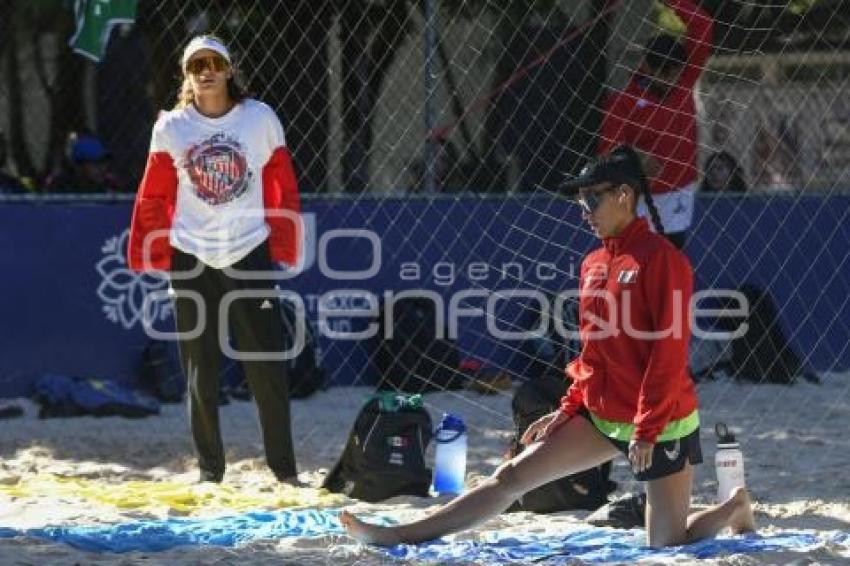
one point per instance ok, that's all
(219, 215)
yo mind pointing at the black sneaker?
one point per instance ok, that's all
(207, 476)
(290, 479)
(627, 512)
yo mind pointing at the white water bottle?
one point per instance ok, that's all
(450, 459)
(728, 462)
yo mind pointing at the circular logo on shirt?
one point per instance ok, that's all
(218, 169)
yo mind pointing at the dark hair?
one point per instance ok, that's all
(664, 52)
(640, 183)
(653, 210)
(235, 89)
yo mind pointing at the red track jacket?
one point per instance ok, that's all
(626, 377)
(665, 129)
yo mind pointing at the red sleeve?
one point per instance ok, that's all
(667, 272)
(280, 198)
(572, 400)
(698, 39)
(152, 215)
(615, 122)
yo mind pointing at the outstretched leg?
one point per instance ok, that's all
(574, 447)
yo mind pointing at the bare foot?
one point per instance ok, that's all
(367, 533)
(742, 520)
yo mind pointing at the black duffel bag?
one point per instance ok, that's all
(585, 490)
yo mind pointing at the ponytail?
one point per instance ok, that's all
(639, 176)
(653, 210)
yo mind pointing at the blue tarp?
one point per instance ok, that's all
(156, 536)
(600, 545)
(589, 545)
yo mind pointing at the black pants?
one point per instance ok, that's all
(257, 327)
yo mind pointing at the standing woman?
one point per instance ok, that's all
(218, 204)
(631, 392)
(656, 113)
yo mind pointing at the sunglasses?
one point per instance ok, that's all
(589, 202)
(215, 63)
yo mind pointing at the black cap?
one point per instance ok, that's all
(621, 166)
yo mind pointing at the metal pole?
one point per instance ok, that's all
(430, 86)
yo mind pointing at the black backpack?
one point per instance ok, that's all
(762, 354)
(161, 373)
(385, 452)
(547, 354)
(414, 360)
(585, 490)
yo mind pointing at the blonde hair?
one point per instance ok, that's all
(235, 90)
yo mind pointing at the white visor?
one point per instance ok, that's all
(204, 42)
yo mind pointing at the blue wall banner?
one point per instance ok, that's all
(70, 305)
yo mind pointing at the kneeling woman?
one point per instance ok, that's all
(631, 391)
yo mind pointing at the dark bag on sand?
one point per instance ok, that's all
(414, 359)
(161, 373)
(547, 354)
(385, 452)
(763, 354)
(68, 396)
(626, 512)
(586, 490)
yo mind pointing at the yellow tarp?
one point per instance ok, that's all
(180, 497)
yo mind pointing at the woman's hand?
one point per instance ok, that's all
(543, 427)
(640, 455)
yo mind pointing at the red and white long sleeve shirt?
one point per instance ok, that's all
(216, 188)
(634, 304)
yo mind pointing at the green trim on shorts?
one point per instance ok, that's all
(625, 431)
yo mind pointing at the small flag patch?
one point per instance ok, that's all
(627, 276)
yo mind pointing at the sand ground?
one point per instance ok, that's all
(794, 439)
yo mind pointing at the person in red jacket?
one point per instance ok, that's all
(656, 114)
(631, 392)
(217, 205)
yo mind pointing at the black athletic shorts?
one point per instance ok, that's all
(668, 457)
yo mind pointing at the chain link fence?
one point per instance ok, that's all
(431, 95)
(387, 100)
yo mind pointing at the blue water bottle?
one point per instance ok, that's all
(450, 459)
